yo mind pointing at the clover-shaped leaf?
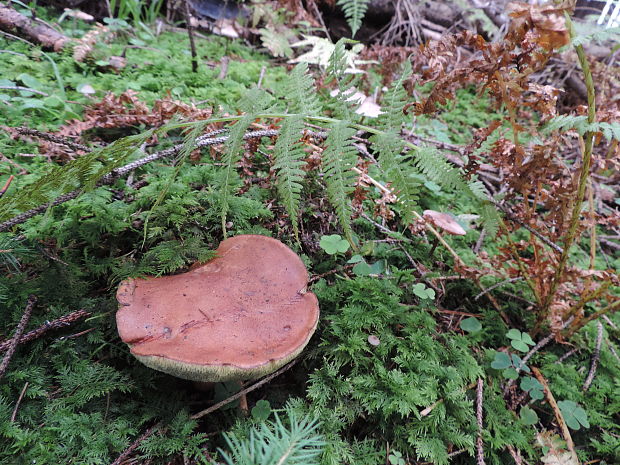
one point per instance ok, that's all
(532, 386)
(396, 458)
(520, 341)
(516, 362)
(422, 291)
(501, 361)
(574, 415)
(261, 411)
(528, 416)
(334, 244)
(362, 269)
(471, 325)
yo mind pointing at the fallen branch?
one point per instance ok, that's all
(12, 344)
(55, 324)
(51, 138)
(558, 414)
(14, 22)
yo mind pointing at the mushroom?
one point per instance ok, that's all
(445, 222)
(240, 316)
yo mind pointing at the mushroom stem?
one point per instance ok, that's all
(433, 246)
(243, 402)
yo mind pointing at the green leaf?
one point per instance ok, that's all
(30, 81)
(334, 244)
(520, 341)
(510, 373)
(262, 410)
(528, 416)
(574, 415)
(501, 361)
(422, 291)
(471, 325)
(362, 269)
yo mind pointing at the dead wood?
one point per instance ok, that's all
(13, 22)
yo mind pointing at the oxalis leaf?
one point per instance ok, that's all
(575, 416)
(334, 244)
(471, 325)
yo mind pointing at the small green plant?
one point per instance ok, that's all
(334, 244)
(533, 387)
(520, 341)
(471, 325)
(574, 415)
(262, 410)
(396, 458)
(423, 292)
(509, 364)
(528, 416)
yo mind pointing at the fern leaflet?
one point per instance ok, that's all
(354, 11)
(339, 158)
(253, 103)
(289, 160)
(300, 91)
(336, 71)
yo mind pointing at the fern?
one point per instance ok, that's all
(254, 102)
(300, 92)
(289, 160)
(274, 443)
(580, 124)
(337, 71)
(354, 11)
(437, 169)
(600, 35)
(338, 160)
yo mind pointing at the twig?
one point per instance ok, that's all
(6, 185)
(156, 427)
(261, 76)
(558, 414)
(25, 89)
(479, 242)
(566, 355)
(496, 285)
(515, 456)
(190, 33)
(612, 350)
(18, 333)
(19, 401)
(58, 323)
(109, 178)
(595, 358)
(52, 138)
(223, 68)
(609, 308)
(479, 442)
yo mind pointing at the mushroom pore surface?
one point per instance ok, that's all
(239, 316)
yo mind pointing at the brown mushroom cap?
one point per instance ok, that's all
(240, 316)
(445, 222)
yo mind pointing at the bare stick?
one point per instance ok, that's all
(6, 185)
(18, 333)
(58, 323)
(566, 355)
(19, 401)
(190, 32)
(595, 358)
(52, 138)
(558, 414)
(479, 442)
(496, 285)
(515, 456)
(156, 427)
(261, 76)
(109, 178)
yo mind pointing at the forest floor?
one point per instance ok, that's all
(488, 347)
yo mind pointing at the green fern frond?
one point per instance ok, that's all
(253, 103)
(566, 123)
(300, 91)
(437, 169)
(610, 130)
(289, 158)
(490, 218)
(339, 158)
(354, 11)
(336, 71)
(83, 172)
(393, 102)
(398, 170)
